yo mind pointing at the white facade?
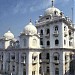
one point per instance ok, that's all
(46, 49)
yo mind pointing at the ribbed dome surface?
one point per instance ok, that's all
(30, 29)
(8, 35)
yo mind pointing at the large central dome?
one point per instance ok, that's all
(30, 29)
(51, 11)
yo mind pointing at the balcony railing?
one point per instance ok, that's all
(47, 35)
(44, 60)
(34, 61)
(23, 62)
(56, 33)
(56, 61)
(71, 37)
(47, 21)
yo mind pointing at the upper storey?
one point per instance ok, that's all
(52, 15)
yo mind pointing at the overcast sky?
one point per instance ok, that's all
(15, 14)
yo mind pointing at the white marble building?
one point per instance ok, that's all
(44, 49)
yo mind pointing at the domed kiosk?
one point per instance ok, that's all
(29, 38)
(8, 35)
(30, 29)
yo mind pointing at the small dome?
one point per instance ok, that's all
(30, 29)
(8, 35)
(52, 11)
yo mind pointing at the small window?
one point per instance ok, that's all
(71, 56)
(56, 71)
(66, 57)
(48, 43)
(55, 12)
(48, 31)
(40, 56)
(24, 42)
(47, 56)
(1, 66)
(56, 28)
(41, 41)
(70, 43)
(41, 32)
(13, 68)
(13, 57)
(40, 70)
(56, 42)
(56, 56)
(24, 71)
(65, 28)
(11, 43)
(64, 42)
(69, 32)
(47, 69)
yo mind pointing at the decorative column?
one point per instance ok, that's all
(29, 63)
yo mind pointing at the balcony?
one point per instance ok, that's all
(41, 36)
(65, 33)
(71, 37)
(56, 33)
(23, 62)
(44, 61)
(34, 61)
(47, 35)
(12, 61)
(56, 61)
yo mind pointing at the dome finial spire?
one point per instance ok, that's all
(9, 29)
(52, 2)
(30, 20)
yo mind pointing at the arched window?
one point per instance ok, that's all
(24, 42)
(56, 56)
(48, 31)
(56, 42)
(48, 43)
(41, 32)
(56, 28)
